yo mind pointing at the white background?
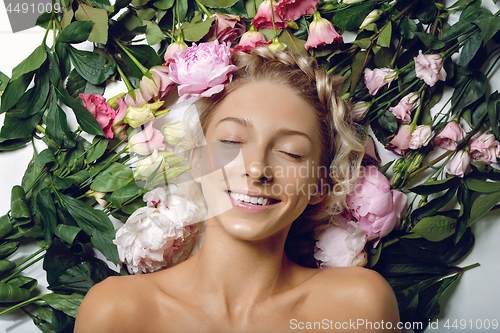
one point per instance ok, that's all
(476, 297)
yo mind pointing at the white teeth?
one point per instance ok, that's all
(253, 200)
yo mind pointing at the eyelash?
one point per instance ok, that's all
(295, 156)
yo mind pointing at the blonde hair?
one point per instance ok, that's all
(342, 147)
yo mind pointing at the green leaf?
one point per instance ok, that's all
(111, 179)
(68, 304)
(46, 157)
(124, 194)
(430, 304)
(57, 125)
(18, 128)
(76, 85)
(408, 28)
(358, 66)
(154, 35)
(470, 49)
(388, 121)
(435, 186)
(15, 89)
(472, 91)
(434, 205)
(36, 96)
(351, 17)
(295, 45)
(435, 228)
(7, 249)
(195, 31)
(430, 40)
(482, 186)
(384, 38)
(489, 27)
(463, 198)
(5, 226)
(219, 3)
(99, 145)
(163, 4)
(483, 205)
(146, 55)
(99, 18)
(33, 62)
(19, 209)
(64, 60)
(46, 213)
(6, 266)
(76, 32)
(4, 79)
(92, 66)
(80, 177)
(67, 233)
(11, 294)
(94, 223)
(494, 113)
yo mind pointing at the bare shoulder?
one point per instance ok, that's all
(357, 294)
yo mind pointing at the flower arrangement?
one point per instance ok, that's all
(396, 69)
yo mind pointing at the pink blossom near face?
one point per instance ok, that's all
(429, 67)
(420, 137)
(201, 70)
(146, 141)
(263, 20)
(322, 32)
(176, 47)
(400, 143)
(458, 164)
(485, 148)
(406, 105)
(377, 208)
(102, 112)
(341, 246)
(449, 136)
(252, 38)
(120, 130)
(377, 78)
(228, 27)
(291, 10)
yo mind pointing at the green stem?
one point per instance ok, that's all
(20, 305)
(466, 268)
(424, 167)
(143, 69)
(272, 19)
(125, 80)
(178, 18)
(23, 268)
(203, 8)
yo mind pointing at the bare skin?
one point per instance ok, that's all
(241, 280)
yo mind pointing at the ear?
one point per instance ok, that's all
(195, 163)
(319, 195)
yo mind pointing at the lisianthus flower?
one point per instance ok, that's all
(370, 18)
(291, 10)
(406, 105)
(178, 46)
(420, 136)
(449, 136)
(173, 132)
(102, 112)
(400, 143)
(371, 155)
(138, 100)
(202, 70)
(228, 27)
(137, 116)
(341, 246)
(429, 67)
(458, 164)
(359, 110)
(146, 141)
(120, 129)
(378, 77)
(263, 18)
(250, 40)
(146, 166)
(321, 32)
(485, 148)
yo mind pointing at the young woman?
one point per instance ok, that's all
(282, 116)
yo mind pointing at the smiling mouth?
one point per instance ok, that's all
(256, 201)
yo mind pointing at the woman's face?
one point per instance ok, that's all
(263, 142)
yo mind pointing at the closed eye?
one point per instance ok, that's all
(295, 156)
(230, 142)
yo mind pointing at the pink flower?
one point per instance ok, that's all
(371, 155)
(102, 112)
(406, 105)
(228, 27)
(485, 148)
(449, 136)
(201, 70)
(377, 78)
(377, 208)
(147, 140)
(400, 143)
(458, 164)
(252, 38)
(291, 10)
(138, 101)
(341, 246)
(120, 130)
(429, 67)
(262, 19)
(159, 235)
(321, 32)
(163, 82)
(177, 47)
(359, 110)
(420, 136)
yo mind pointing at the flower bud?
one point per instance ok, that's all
(420, 137)
(137, 116)
(173, 132)
(277, 46)
(175, 171)
(98, 196)
(178, 46)
(360, 110)
(112, 100)
(370, 18)
(146, 166)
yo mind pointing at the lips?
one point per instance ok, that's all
(252, 198)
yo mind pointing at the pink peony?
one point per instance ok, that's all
(400, 143)
(377, 208)
(377, 78)
(291, 10)
(429, 67)
(420, 136)
(458, 164)
(406, 105)
(262, 19)
(449, 136)
(202, 70)
(147, 140)
(103, 113)
(341, 246)
(485, 148)
(321, 32)
(177, 47)
(159, 235)
(228, 27)
(120, 129)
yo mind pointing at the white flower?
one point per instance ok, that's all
(173, 132)
(146, 166)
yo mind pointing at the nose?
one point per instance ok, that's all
(256, 166)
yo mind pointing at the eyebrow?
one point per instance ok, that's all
(248, 123)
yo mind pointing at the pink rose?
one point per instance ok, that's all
(341, 246)
(202, 70)
(121, 129)
(147, 140)
(228, 27)
(429, 67)
(177, 47)
(400, 143)
(449, 136)
(262, 19)
(377, 78)
(102, 112)
(406, 105)
(420, 136)
(485, 148)
(321, 32)
(458, 164)
(291, 10)
(377, 208)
